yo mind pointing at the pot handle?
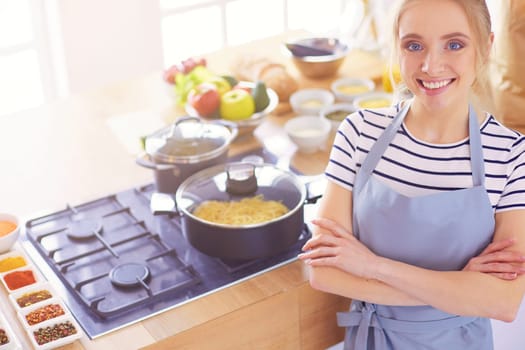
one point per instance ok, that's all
(226, 123)
(241, 178)
(144, 159)
(314, 188)
(163, 204)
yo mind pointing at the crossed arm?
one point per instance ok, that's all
(491, 285)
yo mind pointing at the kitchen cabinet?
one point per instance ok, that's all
(84, 147)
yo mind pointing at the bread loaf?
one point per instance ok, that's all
(274, 75)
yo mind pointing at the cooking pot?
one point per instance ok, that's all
(233, 182)
(185, 147)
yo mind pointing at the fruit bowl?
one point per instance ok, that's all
(245, 126)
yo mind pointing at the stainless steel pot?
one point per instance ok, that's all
(185, 147)
(232, 182)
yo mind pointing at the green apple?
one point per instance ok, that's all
(221, 83)
(237, 105)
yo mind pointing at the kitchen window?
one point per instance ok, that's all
(24, 68)
(41, 57)
(193, 27)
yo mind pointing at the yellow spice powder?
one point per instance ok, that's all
(12, 263)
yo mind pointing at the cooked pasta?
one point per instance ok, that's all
(247, 211)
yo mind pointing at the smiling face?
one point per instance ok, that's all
(437, 51)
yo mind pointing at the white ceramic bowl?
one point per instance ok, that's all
(308, 132)
(347, 89)
(7, 240)
(336, 113)
(374, 100)
(311, 101)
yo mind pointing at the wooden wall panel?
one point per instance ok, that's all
(317, 312)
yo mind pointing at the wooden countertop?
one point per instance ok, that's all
(84, 147)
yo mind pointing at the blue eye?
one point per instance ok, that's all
(413, 46)
(454, 45)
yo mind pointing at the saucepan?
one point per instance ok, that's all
(185, 147)
(235, 181)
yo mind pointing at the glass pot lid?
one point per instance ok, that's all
(235, 181)
(190, 140)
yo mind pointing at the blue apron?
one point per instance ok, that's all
(440, 231)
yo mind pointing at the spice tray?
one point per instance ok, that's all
(34, 294)
(55, 332)
(12, 260)
(37, 297)
(8, 340)
(41, 312)
(20, 278)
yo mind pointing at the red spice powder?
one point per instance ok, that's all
(19, 279)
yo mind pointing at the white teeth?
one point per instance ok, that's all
(435, 84)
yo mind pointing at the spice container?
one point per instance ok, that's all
(54, 333)
(20, 278)
(12, 260)
(8, 340)
(41, 312)
(29, 296)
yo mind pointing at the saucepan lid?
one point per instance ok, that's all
(190, 140)
(234, 181)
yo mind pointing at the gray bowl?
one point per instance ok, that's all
(318, 57)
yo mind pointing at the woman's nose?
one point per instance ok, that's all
(432, 63)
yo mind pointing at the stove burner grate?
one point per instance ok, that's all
(103, 271)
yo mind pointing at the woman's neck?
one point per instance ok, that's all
(438, 125)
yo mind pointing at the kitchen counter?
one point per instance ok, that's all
(84, 147)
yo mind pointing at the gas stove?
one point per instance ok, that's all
(115, 263)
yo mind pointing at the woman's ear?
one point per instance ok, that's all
(490, 43)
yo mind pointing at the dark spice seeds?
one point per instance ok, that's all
(3, 337)
(55, 332)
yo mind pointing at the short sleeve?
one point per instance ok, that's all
(341, 167)
(513, 196)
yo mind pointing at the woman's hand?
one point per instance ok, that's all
(336, 247)
(496, 261)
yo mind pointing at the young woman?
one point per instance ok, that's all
(422, 220)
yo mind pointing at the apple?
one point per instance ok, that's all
(190, 63)
(205, 99)
(237, 105)
(221, 83)
(170, 73)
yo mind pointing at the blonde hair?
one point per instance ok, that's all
(478, 17)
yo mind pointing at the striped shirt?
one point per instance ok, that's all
(413, 167)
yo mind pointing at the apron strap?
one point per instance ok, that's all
(477, 161)
(378, 149)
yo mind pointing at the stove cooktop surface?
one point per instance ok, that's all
(114, 263)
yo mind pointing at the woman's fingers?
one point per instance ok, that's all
(498, 245)
(322, 239)
(500, 256)
(499, 268)
(332, 227)
(505, 276)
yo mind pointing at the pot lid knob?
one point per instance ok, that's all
(241, 179)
